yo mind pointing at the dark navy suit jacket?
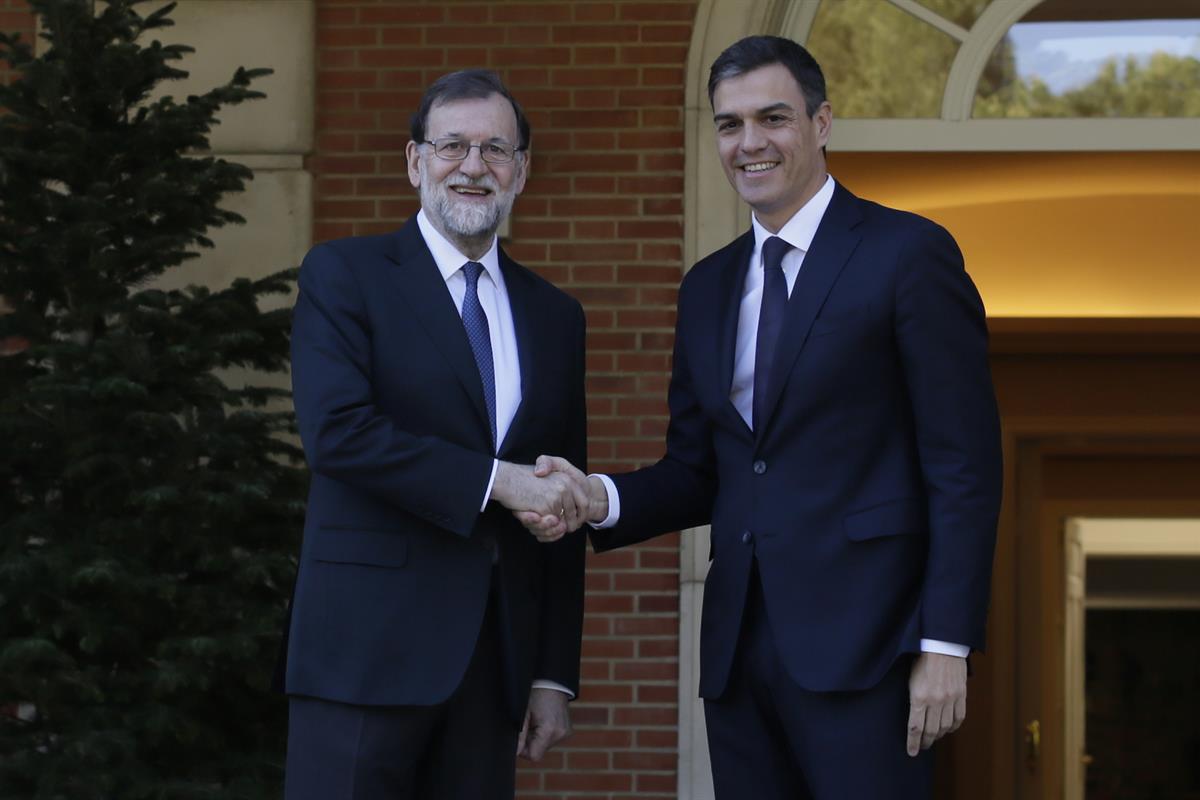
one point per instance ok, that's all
(871, 494)
(397, 558)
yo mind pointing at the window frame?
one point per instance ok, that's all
(957, 131)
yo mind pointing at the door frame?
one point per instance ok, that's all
(1108, 537)
(1041, 591)
(1066, 386)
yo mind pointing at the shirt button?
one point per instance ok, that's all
(760, 467)
(746, 537)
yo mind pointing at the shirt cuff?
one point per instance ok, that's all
(542, 683)
(614, 503)
(945, 648)
(487, 495)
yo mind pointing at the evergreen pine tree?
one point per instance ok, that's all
(150, 505)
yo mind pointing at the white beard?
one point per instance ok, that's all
(466, 219)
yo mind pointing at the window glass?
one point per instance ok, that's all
(1066, 60)
(879, 61)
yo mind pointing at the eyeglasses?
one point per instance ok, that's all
(454, 149)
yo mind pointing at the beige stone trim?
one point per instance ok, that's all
(277, 206)
(226, 34)
(266, 161)
(1010, 135)
(252, 33)
(1139, 538)
(929, 17)
(971, 58)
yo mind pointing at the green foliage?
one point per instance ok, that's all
(1165, 86)
(149, 503)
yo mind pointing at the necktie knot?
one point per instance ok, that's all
(774, 249)
(471, 271)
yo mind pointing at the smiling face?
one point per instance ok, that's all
(769, 146)
(466, 200)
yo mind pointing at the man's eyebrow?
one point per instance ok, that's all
(457, 135)
(774, 107)
(760, 112)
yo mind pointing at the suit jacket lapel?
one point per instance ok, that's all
(729, 301)
(421, 284)
(831, 248)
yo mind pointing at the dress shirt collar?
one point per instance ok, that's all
(447, 257)
(802, 227)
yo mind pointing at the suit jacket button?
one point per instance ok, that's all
(759, 467)
(746, 537)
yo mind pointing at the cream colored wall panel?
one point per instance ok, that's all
(227, 34)
(251, 33)
(277, 206)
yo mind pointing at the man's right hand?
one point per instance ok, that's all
(937, 688)
(591, 498)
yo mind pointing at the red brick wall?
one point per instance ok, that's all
(15, 17)
(601, 216)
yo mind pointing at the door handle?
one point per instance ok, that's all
(1033, 744)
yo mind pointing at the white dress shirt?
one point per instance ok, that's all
(493, 297)
(798, 232)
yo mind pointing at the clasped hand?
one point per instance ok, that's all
(551, 498)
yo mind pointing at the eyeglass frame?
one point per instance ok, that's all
(469, 144)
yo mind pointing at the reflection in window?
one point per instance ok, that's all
(879, 61)
(1060, 61)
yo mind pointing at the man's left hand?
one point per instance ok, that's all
(591, 501)
(937, 694)
(547, 722)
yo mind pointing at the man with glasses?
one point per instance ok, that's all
(432, 639)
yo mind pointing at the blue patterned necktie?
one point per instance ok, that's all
(476, 324)
(770, 321)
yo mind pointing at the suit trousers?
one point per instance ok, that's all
(770, 739)
(461, 749)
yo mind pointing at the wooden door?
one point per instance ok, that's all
(1102, 419)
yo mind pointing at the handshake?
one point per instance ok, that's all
(551, 498)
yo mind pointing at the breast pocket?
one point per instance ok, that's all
(335, 545)
(833, 322)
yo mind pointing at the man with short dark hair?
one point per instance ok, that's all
(432, 639)
(833, 418)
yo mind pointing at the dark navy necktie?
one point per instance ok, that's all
(476, 324)
(770, 321)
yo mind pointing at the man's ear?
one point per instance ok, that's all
(414, 168)
(521, 163)
(824, 121)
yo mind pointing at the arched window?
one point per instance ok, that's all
(1007, 74)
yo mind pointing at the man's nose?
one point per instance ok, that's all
(752, 138)
(473, 165)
